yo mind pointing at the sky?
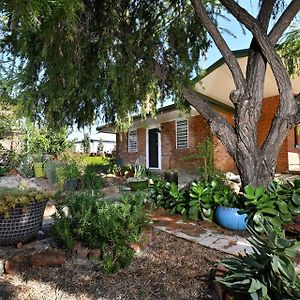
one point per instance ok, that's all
(240, 41)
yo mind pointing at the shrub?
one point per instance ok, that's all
(99, 224)
(51, 167)
(199, 200)
(268, 273)
(8, 160)
(277, 204)
(91, 180)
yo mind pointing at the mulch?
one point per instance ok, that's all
(171, 268)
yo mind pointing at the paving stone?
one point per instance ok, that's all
(208, 241)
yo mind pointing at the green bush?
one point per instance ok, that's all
(268, 273)
(51, 167)
(99, 224)
(91, 180)
(199, 200)
(277, 204)
(8, 160)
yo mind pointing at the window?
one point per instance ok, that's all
(297, 136)
(181, 134)
(132, 140)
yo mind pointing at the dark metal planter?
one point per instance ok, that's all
(21, 226)
(171, 176)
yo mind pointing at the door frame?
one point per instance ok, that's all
(159, 147)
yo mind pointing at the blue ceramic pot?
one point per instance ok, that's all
(228, 217)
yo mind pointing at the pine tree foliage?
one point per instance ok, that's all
(73, 60)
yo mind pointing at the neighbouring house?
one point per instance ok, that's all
(99, 143)
(163, 142)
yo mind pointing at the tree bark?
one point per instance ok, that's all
(256, 164)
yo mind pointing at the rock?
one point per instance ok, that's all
(17, 264)
(13, 172)
(94, 254)
(112, 191)
(47, 258)
(19, 245)
(80, 250)
(50, 209)
(136, 248)
(233, 177)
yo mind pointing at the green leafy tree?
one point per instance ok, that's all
(44, 140)
(86, 143)
(73, 60)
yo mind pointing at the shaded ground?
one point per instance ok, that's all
(172, 268)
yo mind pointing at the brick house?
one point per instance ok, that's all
(163, 143)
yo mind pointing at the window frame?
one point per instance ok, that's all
(187, 133)
(130, 149)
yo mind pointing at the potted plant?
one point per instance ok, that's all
(139, 181)
(21, 214)
(227, 213)
(70, 177)
(171, 176)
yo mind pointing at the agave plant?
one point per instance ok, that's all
(268, 273)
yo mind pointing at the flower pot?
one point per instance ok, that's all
(171, 176)
(39, 170)
(22, 224)
(138, 185)
(228, 217)
(71, 184)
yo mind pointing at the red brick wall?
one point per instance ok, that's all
(291, 142)
(268, 111)
(173, 158)
(222, 159)
(131, 157)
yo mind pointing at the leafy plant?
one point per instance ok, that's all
(99, 224)
(91, 180)
(8, 159)
(167, 195)
(51, 167)
(277, 204)
(207, 195)
(139, 171)
(15, 197)
(268, 273)
(205, 155)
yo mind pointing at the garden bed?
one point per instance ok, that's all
(172, 268)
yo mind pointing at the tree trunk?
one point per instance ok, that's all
(253, 169)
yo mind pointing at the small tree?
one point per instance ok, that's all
(86, 143)
(100, 147)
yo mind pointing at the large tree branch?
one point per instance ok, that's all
(281, 76)
(256, 64)
(217, 123)
(284, 21)
(229, 57)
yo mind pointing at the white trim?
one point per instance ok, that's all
(187, 132)
(159, 148)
